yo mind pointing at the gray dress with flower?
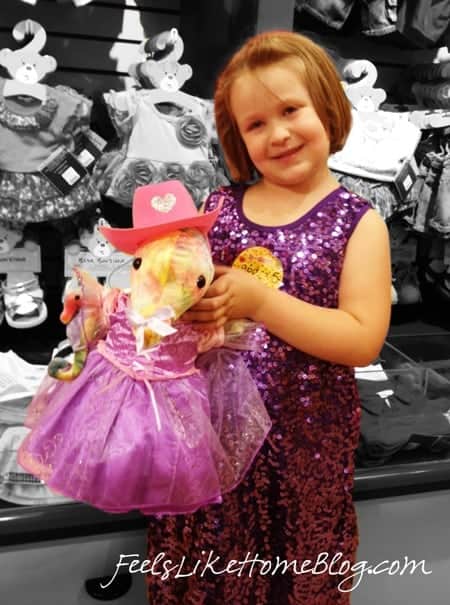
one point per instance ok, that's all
(158, 142)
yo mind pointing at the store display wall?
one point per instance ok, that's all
(94, 46)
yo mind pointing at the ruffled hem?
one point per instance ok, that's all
(119, 176)
(31, 198)
(165, 447)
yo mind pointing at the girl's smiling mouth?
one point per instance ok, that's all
(288, 153)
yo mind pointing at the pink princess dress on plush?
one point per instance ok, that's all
(151, 430)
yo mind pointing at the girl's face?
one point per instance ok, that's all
(280, 127)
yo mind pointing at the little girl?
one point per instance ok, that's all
(309, 260)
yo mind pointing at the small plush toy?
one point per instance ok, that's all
(153, 414)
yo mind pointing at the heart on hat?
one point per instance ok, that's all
(163, 203)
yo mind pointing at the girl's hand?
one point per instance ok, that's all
(234, 294)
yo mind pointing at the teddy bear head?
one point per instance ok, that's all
(166, 75)
(26, 64)
(162, 68)
(9, 238)
(360, 76)
(365, 99)
(26, 67)
(95, 242)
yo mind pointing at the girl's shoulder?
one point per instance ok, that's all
(351, 204)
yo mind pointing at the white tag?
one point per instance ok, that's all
(70, 176)
(86, 158)
(373, 372)
(385, 394)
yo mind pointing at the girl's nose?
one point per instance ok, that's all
(279, 133)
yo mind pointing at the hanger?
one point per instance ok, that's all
(26, 65)
(15, 88)
(162, 69)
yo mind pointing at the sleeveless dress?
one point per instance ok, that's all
(296, 501)
(148, 431)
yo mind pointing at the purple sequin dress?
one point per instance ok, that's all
(296, 502)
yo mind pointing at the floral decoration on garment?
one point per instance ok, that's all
(173, 171)
(135, 174)
(191, 132)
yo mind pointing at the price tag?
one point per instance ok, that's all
(88, 147)
(63, 170)
(405, 179)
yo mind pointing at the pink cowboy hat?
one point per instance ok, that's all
(158, 209)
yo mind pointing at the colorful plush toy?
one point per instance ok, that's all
(153, 414)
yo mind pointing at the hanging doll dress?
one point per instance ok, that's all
(158, 142)
(165, 431)
(29, 135)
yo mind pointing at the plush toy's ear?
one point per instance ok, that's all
(5, 58)
(153, 71)
(148, 73)
(10, 238)
(85, 237)
(184, 72)
(49, 64)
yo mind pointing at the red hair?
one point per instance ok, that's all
(318, 73)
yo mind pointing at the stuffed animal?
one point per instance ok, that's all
(152, 413)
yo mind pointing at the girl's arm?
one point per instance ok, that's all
(352, 334)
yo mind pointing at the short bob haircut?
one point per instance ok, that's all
(315, 68)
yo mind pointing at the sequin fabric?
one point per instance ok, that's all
(295, 504)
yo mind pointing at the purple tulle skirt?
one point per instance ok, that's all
(162, 447)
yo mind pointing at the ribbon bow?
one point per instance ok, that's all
(158, 323)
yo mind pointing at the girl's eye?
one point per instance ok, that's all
(254, 125)
(290, 109)
(201, 281)
(137, 263)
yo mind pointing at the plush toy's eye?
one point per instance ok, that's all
(137, 263)
(77, 297)
(201, 281)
